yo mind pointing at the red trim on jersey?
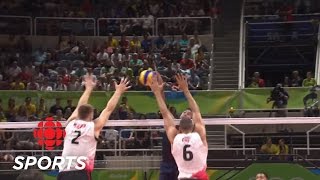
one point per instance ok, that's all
(89, 175)
(201, 175)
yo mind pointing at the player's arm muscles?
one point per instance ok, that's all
(168, 118)
(105, 114)
(111, 105)
(197, 117)
(83, 100)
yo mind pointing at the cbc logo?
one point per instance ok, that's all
(278, 178)
(49, 133)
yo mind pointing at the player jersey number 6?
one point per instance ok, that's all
(190, 154)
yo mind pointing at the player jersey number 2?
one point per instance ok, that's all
(187, 154)
(78, 134)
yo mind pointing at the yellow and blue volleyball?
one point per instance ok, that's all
(145, 77)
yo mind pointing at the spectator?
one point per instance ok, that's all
(81, 71)
(193, 81)
(196, 38)
(282, 150)
(112, 42)
(135, 44)
(187, 54)
(42, 109)
(193, 47)
(309, 81)
(32, 85)
(40, 56)
(160, 43)
(124, 27)
(135, 64)
(146, 43)
(148, 22)
(125, 110)
(30, 107)
(14, 70)
(17, 84)
(296, 80)
(12, 110)
(280, 97)
(286, 82)
(173, 111)
(102, 56)
(45, 85)
(67, 113)
(126, 57)
(254, 83)
(259, 80)
(183, 43)
(74, 85)
(199, 57)
(60, 86)
(56, 107)
(22, 115)
(59, 115)
(116, 57)
(169, 72)
(25, 75)
(269, 149)
(124, 44)
(311, 104)
(145, 66)
(69, 105)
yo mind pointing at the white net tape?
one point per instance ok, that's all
(209, 121)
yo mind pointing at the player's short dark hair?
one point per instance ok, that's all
(30, 175)
(84, 111)
(186, 124)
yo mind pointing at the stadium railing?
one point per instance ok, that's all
(64, 25)
(102, 25)
(203, 25)
(12, 25)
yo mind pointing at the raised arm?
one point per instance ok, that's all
(157, 88)
(89, 83)
(111, 105)
(196, 114)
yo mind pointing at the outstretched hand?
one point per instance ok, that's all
(123, 85)
(182, 82)
(157, 83)
(89, 82)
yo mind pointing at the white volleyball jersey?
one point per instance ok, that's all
(79, 141)
(190, 154)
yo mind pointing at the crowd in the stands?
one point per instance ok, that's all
(295, 80)
(110, 9)
(62, 68)
(282, 7)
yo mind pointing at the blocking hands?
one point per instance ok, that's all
(157, 83)
(182, 82)
(123, 85)
(89, 82)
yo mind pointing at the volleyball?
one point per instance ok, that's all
(146, 77)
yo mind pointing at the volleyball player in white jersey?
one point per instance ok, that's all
(189, 143)
(82, 132)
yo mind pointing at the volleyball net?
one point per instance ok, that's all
(136, 145)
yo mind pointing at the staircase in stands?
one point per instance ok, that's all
(226, 46)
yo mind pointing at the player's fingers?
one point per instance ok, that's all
(115, 83)
(177, 77)
(128, 87)
(127, 80)
(127, 83)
